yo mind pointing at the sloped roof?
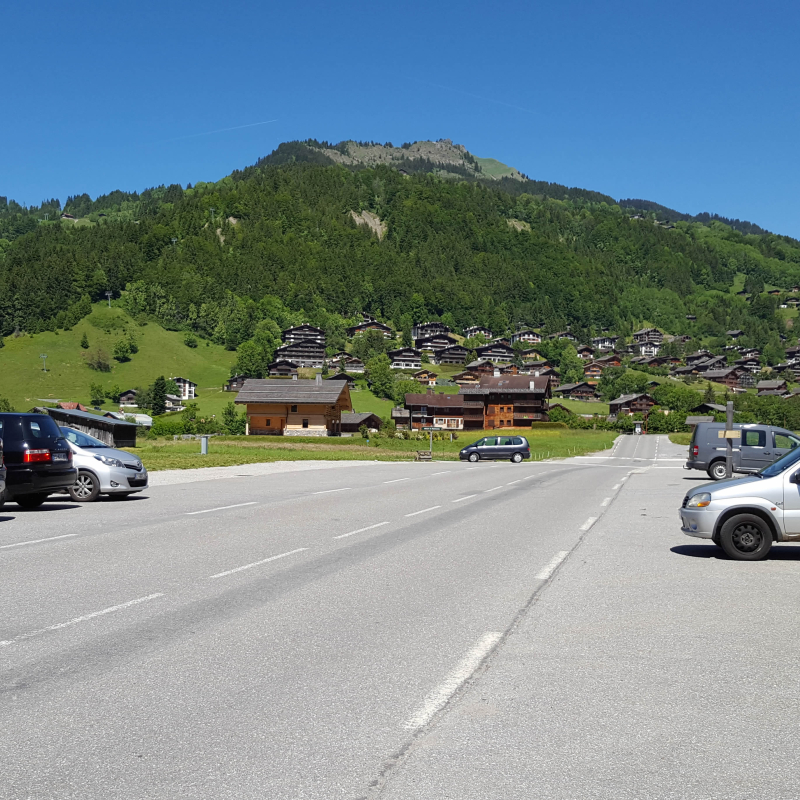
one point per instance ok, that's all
(627, 398)
(767, 385)
(436, 399)
(514, 384)
(282, 391)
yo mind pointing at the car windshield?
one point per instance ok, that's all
(782, 464)
(81, 439)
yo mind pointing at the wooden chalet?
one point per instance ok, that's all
(455, 354)
(303, 333)
(128, 397)
(585, 351)
(466, 378)
(750, 363)
(234, 383)
(777, 388)
(422, 330)
(735, 334)
(349, 362)
(527, 336)
(631, 404)
(611, 360)
(477, 330)
(577, 391)
(304, 353)
(593, 371)
(696, 358)
(509, 369)
(715, 362)
(281, 369)
(341, 376)
(438, 341)
(68, 406)
(495, 352)
(649, 349)
(563, 335)
(482, 367)
(436, 409)
(532, 355)
(605, 342)
(729, 376)
(649, 335)
(405, 358)
(296, 407)
(514, 401)
(352, 422)
(425, 377)
(370, 325)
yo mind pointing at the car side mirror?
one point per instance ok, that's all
(794, 477)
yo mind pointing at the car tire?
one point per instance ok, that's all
(473, 457)
(86, 488)
(516, 458)
(30, 500)
(2, 500)
(717, 471)
(745, 537)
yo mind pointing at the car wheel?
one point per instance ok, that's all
(746, 537)
(516, 458)
(85, 489)
(473, 457)
(2, 500)
(30, 500)
(717, 471)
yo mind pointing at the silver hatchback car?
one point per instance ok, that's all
(744, 516)
(102, 469)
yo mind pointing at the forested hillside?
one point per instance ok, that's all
(277, 242)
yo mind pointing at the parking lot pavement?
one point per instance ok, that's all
(650, 667)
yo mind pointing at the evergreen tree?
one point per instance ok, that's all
(85, 342)
(709, 396)
(158, 395)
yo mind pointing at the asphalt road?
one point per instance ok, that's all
(395, 630)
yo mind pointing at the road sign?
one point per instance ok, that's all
(431, 428)
(729, 434)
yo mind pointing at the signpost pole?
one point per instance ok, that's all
(729, 440)
(431, 444)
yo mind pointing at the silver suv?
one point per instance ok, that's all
(102, 469)
(744, 516)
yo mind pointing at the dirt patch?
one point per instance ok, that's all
(372, 221)
(518, 224)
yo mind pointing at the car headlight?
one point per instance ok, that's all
(109, 462)
(700, 500)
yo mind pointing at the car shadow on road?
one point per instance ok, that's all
(110, 498)
(48, 507)
(777, 553)
(6, 519)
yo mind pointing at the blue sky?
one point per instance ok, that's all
(690, 104)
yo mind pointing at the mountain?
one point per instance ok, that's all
(322, 233)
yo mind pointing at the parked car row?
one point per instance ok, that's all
(38, 459)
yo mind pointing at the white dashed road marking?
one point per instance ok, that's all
(414, 513)
(588, 524)
(37, 541)
(361, 530)
(257, 563)
(219, 508)
(551, 565)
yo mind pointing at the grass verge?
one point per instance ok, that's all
(681, 438)
(228, 451)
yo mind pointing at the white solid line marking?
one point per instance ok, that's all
(220, 508)
(437, 699)
(439, 473)
(496, 487)
(615, 487)
(469, 468)
(414, 513)
(513, 482)
(546, 571)
(257, 563)
(588, 524)
(459, 499)
(325, 491)
(397, 480)
(360, 530)
(606, 501)
(85, 617)
(36, 541)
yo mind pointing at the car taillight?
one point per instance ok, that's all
(696, 451)
(32, 456)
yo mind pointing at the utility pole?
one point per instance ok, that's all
(212, 210)
(729, 439)
(108, 295)
(43, 356)
(173, 240)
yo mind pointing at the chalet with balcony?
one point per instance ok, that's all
(593, 371)
(187, 388)
(526, 336)
(128, 397)
(349, 362)
(467, 378)
(425, 377)
(422, 330)
(564, 335)
(370, 325)
(605, 342)
(750, 363)
(295, 407)
(611, 360)
(455, 354)
(495, 352)
(729, 376)
(631, 404)
(532, 355)
(439, 341)
(776, 388)
(405, 358)
(482, 367)
(234, 383)
(649, 349)
(477, 330)
(439, 410)
(577, 391)
(514, 401)
(282, 369)
(696, 358)
(308, 353)
(585, 352)
(303, 333)
(735, 334)
(648, 335)
(341, 376)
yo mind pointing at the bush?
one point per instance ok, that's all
(122, 350)
(97, 359)
(190, 340)
(5, 406)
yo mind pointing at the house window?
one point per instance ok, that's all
(293, 409)
(267, 423)
(305, 423)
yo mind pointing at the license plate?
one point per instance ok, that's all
(59, 456)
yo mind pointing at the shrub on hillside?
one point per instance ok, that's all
(97, 359)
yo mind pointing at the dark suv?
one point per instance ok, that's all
(513, 448)
(37, 457)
